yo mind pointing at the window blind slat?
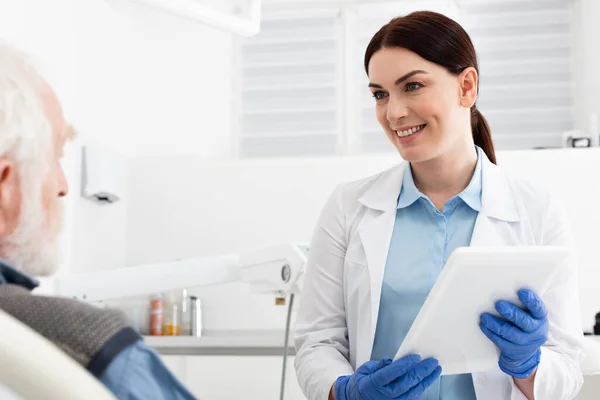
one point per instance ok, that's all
(487, 7)
(293, 75)
(288, 123)
(289, 146)
(289, 88)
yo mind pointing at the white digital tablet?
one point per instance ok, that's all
(473, 279)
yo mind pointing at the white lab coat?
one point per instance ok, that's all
(339, 304)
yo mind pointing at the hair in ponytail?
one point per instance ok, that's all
(442, 41)
(482, 134)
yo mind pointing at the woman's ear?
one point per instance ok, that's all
(468, 82)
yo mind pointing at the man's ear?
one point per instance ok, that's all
(9, 195)
(468, 82)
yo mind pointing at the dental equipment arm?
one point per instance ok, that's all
(277, 270)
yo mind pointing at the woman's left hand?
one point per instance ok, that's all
(520, 335)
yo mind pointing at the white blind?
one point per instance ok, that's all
(524, 49)
(289, 86)
(525, 76)
(304, 89)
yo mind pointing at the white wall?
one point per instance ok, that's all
(192, 208)
(130, 78)
(180, 85)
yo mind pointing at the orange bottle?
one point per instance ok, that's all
(157, 312)
(171, 324)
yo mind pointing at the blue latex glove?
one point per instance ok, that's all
(404, 379)
(520, 335)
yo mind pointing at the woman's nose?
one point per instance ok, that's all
(396, 110)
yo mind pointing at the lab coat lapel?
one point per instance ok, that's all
(375, 235)
(485, 233)
(497, 207)
(375, 231)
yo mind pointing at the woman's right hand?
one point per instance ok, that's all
(406, 378)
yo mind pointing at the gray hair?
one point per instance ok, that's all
(26, 138)
(25, 131)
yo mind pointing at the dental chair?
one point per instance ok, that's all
(33, 368)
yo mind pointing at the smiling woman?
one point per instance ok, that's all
(434, 60)
(381, 242)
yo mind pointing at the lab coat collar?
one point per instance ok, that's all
(409, 192)
(496, 193)
(11, 275)
(383, 194)
(497, 198)
(471, 195)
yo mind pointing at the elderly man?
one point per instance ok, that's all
(32, 183)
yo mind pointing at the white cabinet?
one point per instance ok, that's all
(258, 377)
(213, 367)
(591, 388)
(234, 377)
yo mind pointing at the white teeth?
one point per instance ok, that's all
(410, 131)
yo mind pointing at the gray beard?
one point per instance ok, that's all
(33, 248)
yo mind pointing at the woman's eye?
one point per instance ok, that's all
(412, 86)
(378, 95)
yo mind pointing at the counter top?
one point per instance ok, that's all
(593, 337)
(233, 343)
(239, 343)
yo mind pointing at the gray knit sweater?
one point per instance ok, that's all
(90, 335)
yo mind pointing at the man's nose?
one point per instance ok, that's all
(63, 187)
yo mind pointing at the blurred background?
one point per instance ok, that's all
(232, 127)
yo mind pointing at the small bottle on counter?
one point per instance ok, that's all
(196, 316)
(186, 318)
(157, 310)
(171, 325)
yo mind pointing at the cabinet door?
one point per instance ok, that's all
(241, 377)
(591, 388)
(176, 365)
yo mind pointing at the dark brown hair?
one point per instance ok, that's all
(442, 41)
